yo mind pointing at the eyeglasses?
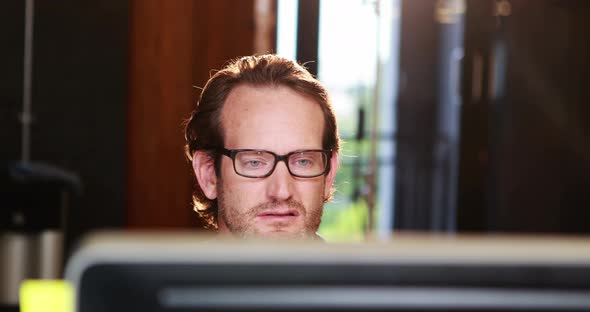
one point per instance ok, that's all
(253, 163)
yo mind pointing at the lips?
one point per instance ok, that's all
(279, 213)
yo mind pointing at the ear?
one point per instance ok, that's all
(331, 176)
(204, 168)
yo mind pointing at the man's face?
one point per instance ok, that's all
(279, 120)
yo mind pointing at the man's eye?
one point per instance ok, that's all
(303, 162)
(253, 163)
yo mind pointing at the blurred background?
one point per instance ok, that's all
(457, 115)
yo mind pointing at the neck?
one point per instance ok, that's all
(222, 227)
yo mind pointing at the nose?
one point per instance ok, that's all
(280, 183)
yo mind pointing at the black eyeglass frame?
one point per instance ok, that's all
(231, 153)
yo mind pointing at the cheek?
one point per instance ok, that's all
(242, 193)
(312, 192)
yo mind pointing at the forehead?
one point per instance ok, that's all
(274, 118)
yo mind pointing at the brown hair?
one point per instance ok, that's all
(204, 128)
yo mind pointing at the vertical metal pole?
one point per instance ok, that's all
(26, 117)
(389, 26)
(450, 15)
(373, 166)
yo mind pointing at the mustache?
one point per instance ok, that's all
(290, 203)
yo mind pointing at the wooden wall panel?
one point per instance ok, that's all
(160, 96)
(174, 45)
(224, 29)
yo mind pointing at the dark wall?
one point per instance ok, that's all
(545, 155)
(416, 118)
(525, 149)
(79, 99)
(11, 71)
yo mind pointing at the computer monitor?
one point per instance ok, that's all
(185, 272)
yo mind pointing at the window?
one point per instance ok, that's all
(355, 59)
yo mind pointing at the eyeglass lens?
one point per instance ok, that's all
(260, 163)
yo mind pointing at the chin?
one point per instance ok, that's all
(282, 234)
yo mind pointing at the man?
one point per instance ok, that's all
(264, 148)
